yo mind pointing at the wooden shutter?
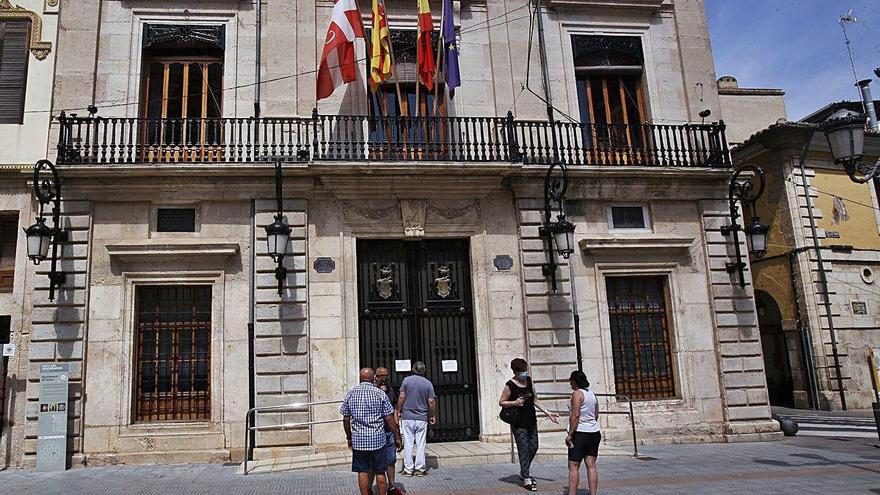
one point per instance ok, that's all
(14, 36)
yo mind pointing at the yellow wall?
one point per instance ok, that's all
(770, 207)
(773, 276)
(860, 230)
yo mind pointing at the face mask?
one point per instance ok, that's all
(381, 380)
(523, 375)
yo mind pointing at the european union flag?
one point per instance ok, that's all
(450, 49)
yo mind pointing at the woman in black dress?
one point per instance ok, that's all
(519, 392)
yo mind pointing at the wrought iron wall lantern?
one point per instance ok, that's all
(743, 190)
(845, 132)
(41, 237)
(559, 233)
(278, 233)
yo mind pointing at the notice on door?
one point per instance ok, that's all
(402, 365)
(449, 365)
(52, 418)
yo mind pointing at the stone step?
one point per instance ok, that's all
(437, 455)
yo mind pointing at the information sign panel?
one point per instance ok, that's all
(52, 418)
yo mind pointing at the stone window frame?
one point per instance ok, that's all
(646, 214)
(229, 18)
(154, 219)
(649, 84)
(40, 49)
(667, 270)
(131, 280)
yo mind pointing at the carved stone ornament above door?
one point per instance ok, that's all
(39, 48)
(412, 212)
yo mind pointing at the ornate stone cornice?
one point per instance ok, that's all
(39, 48)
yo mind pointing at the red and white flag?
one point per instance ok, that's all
(338, 61)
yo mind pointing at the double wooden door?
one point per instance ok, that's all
(415, 304)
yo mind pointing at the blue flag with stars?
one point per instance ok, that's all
(450, 49)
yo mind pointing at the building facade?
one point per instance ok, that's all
(748, 110)
(817, 305)
(412, 237)
(28, 45)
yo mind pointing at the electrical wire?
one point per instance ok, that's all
(486, 24)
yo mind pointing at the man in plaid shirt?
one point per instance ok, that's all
(365, 411)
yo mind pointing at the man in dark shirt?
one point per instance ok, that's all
(383, 382)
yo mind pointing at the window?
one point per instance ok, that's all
(173, 353)
(8, 241)
(176, 220)
(183, 83)
(628, 218)
(608, 71)
(14, 36)
(640, 344)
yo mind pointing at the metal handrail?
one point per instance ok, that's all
(631, 415)
(250, 417)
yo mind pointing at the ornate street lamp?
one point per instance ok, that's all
(845, 132)
(559, 236)
(40, 237)
(742, 190)
(278, 233)
(559, 233)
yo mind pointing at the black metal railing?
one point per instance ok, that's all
(111, 140)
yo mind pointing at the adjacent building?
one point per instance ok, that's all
(415, 227)
(815, 288)
(28, 31)
(748, 110)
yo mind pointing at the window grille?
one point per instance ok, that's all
(173, 353)
(640, 342)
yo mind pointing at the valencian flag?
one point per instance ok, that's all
(424, 53)
(338, 64)
(450, 49)
(380, 56)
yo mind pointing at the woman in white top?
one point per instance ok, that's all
(583, 433)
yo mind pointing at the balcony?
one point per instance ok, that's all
(358, 138)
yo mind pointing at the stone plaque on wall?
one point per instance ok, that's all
(324, 265)
(52, 418)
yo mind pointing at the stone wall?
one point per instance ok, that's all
(281, 343)
(58, 328)
(740, 357)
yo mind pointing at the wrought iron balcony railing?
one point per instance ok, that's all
(357, 138)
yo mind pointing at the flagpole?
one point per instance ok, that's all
(400, 102)
(440, 45)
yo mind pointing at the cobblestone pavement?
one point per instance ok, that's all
(799, 466)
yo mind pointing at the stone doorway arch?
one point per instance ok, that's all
(777, 355)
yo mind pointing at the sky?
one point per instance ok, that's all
(797, 46)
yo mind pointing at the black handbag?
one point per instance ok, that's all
(509, 415)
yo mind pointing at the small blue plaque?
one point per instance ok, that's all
(324, 265)
(503, 262)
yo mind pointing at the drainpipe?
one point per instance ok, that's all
(542, 49)
(249, 452)
(257, 61)
(823, 279)
(806, 338)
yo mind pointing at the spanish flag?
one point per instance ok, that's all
(380, 56)
(424, 53)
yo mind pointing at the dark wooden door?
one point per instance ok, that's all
(415, 303)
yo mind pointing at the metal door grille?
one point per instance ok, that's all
(173, 353)
(414, 302)
(640, 343)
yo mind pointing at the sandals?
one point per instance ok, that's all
(530, 484)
